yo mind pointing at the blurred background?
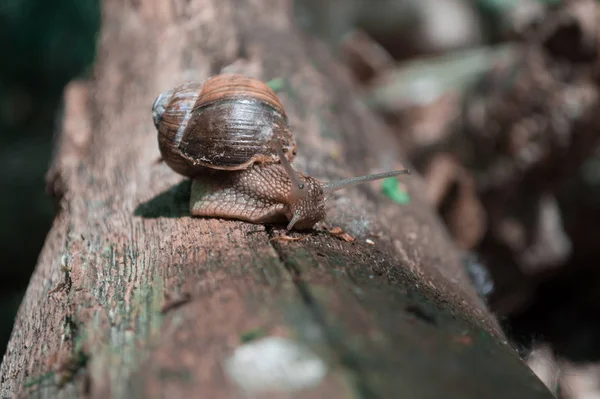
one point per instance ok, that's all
(496, 103)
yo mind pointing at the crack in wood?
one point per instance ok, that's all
(344, 355)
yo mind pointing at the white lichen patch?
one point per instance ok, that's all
(274, 364)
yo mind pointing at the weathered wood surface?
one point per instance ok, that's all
(394, 319)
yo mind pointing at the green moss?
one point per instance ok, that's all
(181, 375)
(251, 335)
(34, 381)
(135, 326)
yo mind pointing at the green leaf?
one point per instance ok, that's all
(276, 84)
(390, 188)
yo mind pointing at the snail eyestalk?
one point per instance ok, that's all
(298, 187)
(340, 184)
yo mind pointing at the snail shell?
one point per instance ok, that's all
(227, 122)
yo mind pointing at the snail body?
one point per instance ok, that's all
(269, 194)
(227, 122)
(259, 194)
(230, 134)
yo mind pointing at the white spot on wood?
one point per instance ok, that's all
(274, 364)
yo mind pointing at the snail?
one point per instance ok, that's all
(231, 135)
(227, 122)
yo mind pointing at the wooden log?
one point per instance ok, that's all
(132, 297)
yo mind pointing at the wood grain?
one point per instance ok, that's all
(394, 319)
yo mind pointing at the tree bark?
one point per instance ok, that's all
(132, 297)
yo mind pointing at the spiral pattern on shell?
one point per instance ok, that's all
(227, 122)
